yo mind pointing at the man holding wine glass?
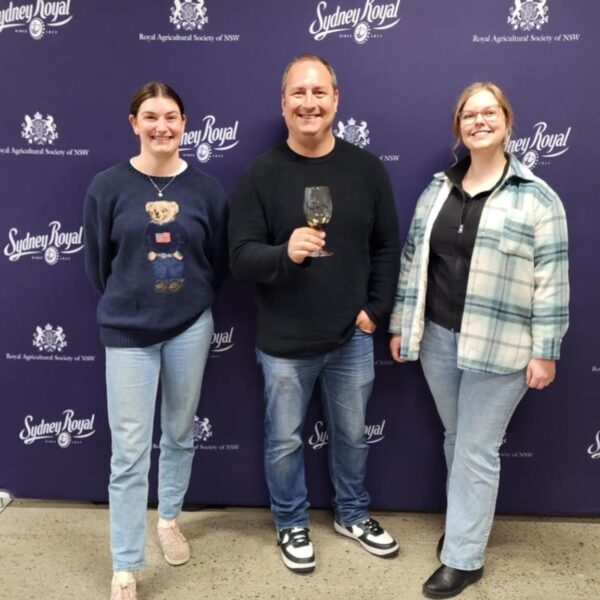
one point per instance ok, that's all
(320, 297)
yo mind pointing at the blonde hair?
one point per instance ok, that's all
(474, 88)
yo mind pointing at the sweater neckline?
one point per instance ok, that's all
(312, 159)
(184, 166)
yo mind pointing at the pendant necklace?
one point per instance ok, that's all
(161, 190)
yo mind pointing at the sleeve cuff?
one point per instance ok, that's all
(395, 323)
(548, 348)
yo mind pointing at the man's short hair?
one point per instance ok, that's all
(308, 57)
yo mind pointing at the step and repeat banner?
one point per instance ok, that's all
(69, 68)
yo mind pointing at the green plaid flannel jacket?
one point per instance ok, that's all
(517, 300)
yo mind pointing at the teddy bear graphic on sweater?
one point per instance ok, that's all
(165, 240)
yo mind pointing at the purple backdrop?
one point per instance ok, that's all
(68, 70)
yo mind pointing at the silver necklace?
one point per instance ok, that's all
(161, 190)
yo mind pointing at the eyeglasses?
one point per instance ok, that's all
(490, 114)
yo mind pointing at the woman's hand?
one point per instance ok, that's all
(395, 343)
(540, 373)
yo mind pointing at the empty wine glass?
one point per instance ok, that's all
(317, 210)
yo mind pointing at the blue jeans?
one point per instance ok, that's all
(167, 269)
(475, 409)
(346, 378)
(132, 376)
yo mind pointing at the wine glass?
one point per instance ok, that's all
(317, 210)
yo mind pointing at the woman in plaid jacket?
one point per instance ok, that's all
(482, 301)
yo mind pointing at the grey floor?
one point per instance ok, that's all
(59, 551)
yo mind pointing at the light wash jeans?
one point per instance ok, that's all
(132, 376)
(346, 378)
(475, 409)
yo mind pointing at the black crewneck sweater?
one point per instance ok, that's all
(309, 309)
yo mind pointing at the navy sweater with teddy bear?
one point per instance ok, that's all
(155, 261)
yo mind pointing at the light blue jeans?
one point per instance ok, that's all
(346, 378)
(132, 376)
(475, 409)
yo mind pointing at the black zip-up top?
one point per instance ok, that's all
(451, 247)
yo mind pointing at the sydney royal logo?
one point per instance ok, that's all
(49, 339)
(222, 341)
(39, 131)
(353, 133)
(62, 432)
(210, 140)
(188, 15)
(526, 15)
(36, 18)
(594, 449)
(320, 438)
(540, 146)
(360, 23)
(54, 246)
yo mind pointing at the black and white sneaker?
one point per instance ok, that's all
(371, 536)
(296, 549)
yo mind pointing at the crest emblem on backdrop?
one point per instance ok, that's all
(37, 28)
(528, 14)
(530, 159)
(49, 339)
(362, 32)
(203, 152)
(38, 130)
(188, 15)
(353, 133)
(202, 429)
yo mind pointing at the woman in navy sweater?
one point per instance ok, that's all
(155, 250)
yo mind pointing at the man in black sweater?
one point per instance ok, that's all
(316, 315)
